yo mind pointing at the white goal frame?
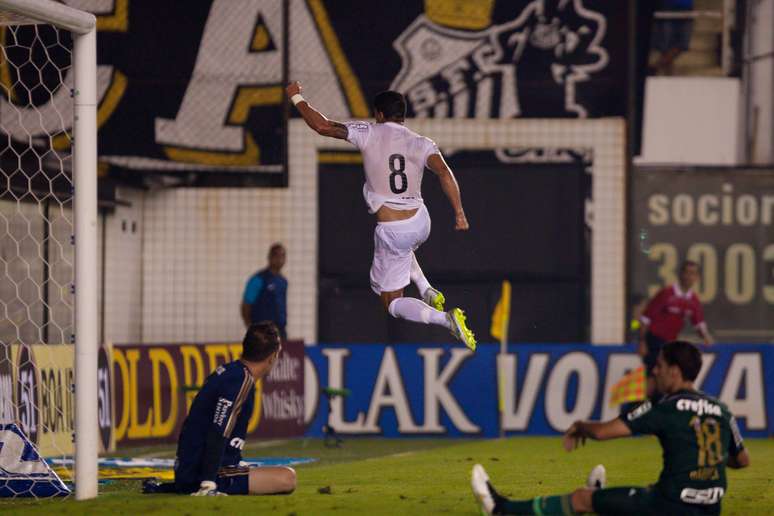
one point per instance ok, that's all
(83, 27)
(605, 137)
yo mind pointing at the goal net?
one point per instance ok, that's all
(47, 241)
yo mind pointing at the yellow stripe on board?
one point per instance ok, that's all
(352, 89)
(246, 98)
(112, 97)
(346, 158)
(117, 21)
(5, 72)
(255, 417)
(261, 39)
(166, 474)
(108, 104)
(250, 156)
(249, 96)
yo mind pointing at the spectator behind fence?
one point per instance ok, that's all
(265, 295)
(671, 37)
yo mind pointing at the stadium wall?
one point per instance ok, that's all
(198, 246)
(415, 390)
(201, 246)
(122, 232)
(176, 260)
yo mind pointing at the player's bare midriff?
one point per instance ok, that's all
(385, 214)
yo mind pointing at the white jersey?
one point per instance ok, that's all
(394, 158)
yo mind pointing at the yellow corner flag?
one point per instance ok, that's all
(629, 388)
(502, 314)
(499, 330)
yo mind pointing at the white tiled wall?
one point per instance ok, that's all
(124, 269)
(201, 246)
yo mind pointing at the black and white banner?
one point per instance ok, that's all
(197, 87)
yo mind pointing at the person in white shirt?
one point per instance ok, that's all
(394, 158)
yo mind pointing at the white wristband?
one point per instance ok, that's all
(295, 99)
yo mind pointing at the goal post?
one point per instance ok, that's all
(85, 217)
(82, 27)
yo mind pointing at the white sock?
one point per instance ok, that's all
(418, 277)
(415, 310)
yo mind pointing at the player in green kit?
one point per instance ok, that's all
(697, 433)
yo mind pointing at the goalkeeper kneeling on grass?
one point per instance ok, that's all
(213, 434)
(699, 437)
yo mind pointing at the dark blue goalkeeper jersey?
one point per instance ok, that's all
(214, 431)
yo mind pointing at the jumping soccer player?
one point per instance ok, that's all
(213, 434)
(394, 159)
(697, 433)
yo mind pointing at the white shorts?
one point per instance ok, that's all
(394, 246)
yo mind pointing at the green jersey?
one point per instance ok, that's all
(697, 434)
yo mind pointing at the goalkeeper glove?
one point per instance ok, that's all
(208, 488)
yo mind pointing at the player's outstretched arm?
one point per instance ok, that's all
(577, 434)
(450, 187)
(704, 333)
(231, 394)
(215, 444)
(313, 118)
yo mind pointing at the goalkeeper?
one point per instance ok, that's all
(209, 450)
(699, 437)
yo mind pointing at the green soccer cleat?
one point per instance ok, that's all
(434, 298)
(459, 329)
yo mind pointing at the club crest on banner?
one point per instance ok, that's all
(449, 73)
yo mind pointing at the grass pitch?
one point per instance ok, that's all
(421, 476)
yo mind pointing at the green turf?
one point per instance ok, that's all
(421, 476)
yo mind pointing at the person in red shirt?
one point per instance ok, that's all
(664, 316)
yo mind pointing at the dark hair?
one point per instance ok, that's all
(260, 342)
(275, 246)
(685, 356)
(688, 263)
(391, 104)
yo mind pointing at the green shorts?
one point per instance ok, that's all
(644, 501)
